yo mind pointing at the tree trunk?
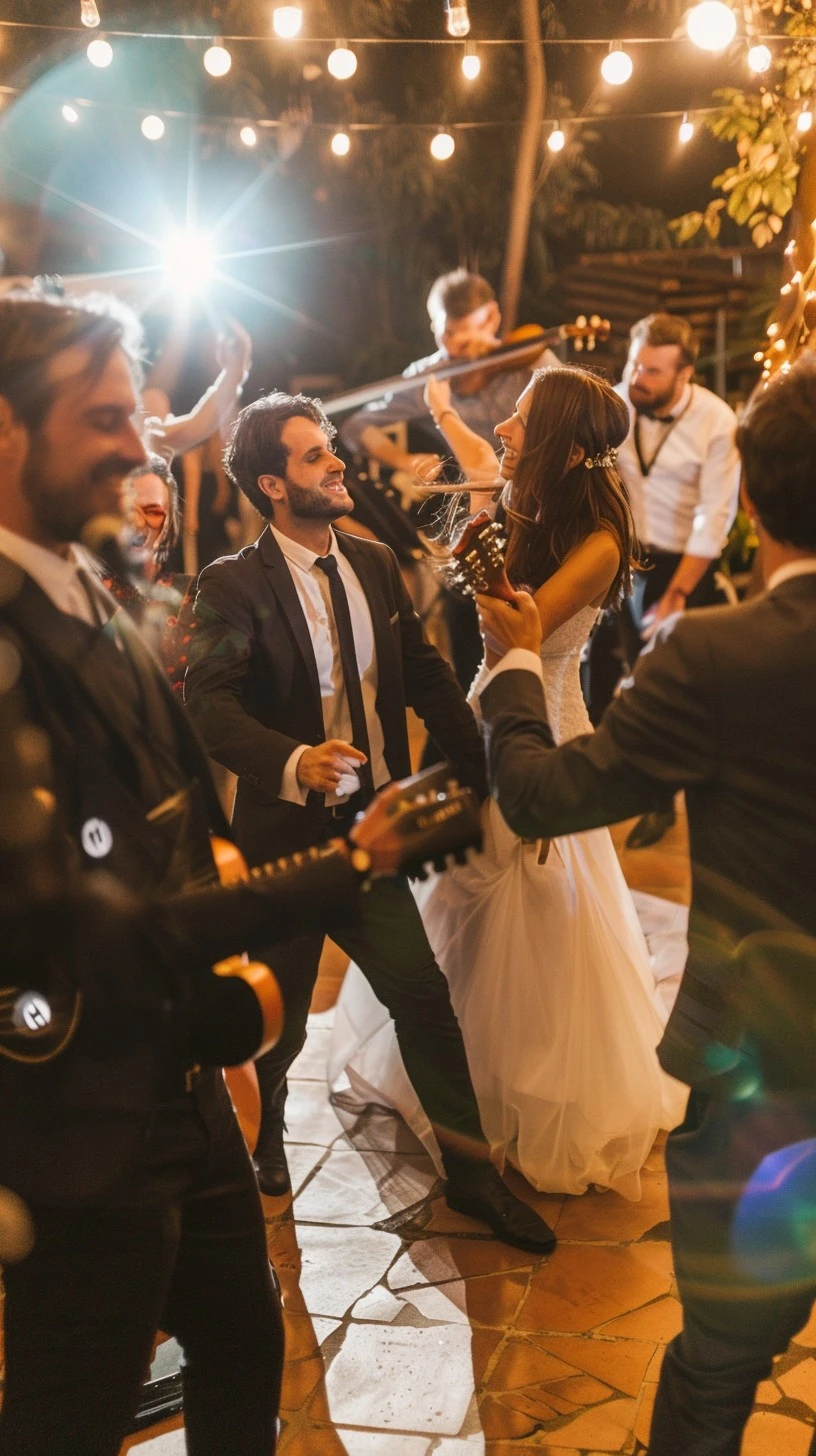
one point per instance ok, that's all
(518, 226)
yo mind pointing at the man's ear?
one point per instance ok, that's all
(273, 487)
(493, 319)
(13, 433)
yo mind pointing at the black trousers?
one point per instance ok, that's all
(616, 643)
(745, 1262)
(391, 948)
(182, 1248)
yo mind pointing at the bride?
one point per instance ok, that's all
(547, 965)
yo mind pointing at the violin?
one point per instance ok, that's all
(521, 347)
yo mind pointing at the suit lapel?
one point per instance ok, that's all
(280, 580)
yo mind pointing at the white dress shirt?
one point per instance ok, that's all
(312, 587)
(688, 499)
(56, 575)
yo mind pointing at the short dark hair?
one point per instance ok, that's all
(659, 329)
(255, 447)
(776, 438)
(459, 293)
(36, 326)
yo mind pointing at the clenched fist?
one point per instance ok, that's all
(323, 767)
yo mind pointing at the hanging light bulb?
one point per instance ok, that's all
(153, 128)
(804, 120)
(70, 114)
(342, 62)
(89, 14)
(685, 131)
(457, 19)
(556, 141)
(341, 143)
(248, 136)
(759, 58)
(287, 20)
(217, 60)
(100, 53)
(711, 25)
(471, 65)
(442, 145)
(616, 67)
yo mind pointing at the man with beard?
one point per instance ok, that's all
(682, 471)
(306, 654)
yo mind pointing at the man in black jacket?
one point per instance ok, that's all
(305, 655)
(724, 708)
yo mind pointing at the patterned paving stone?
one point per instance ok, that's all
(583, 1287)
(769, 1434)
(339, 1265)
(364, 1188)
(404, 1379)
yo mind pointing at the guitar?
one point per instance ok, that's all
(478, 559)
(237, 1009)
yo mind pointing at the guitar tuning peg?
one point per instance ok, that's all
(590, 343)
(421, 873)
(595, 320)
(578, 345)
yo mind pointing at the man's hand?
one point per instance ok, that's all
(321, 768)
(233, 351)
(671, 602)
(372, 826)
(510, 624)
(437, 396)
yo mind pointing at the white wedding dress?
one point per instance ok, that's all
(550, 978)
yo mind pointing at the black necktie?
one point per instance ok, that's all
(351, 673)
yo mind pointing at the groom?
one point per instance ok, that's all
(306, 653)
(724, 708)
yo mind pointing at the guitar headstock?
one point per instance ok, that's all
(420, 821)
(586, 332)
(478, 556)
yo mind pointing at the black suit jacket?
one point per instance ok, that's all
(725, 708)
(71, 1128)
(253, 691)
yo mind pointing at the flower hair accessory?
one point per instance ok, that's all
(605, 458)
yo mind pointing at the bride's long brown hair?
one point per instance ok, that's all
(552, 506)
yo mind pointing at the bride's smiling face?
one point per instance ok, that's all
(511, 434)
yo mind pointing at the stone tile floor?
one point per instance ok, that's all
(413, 1331)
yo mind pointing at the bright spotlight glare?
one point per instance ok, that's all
(711, 25)
(249, 136)
(287, 20)
(153, 128)
(188, 261)
(616, 67)
(100, 53)
(759, 58)
(217, 60)
(341, 143)
(342, 62)
(70, 114)
(556, 140)
(442, 146)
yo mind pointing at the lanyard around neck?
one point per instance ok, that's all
(646, 466)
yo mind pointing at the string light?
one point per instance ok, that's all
(287, 20)
(442, 145)
(249, 136)
(711, 25)
(557, 139)
(217, 60)
(341, 143)
(759, 58)
(89, 14)
(785, 289)
(804, 120)
(616, 67)
(342, 62)
(100, 53)
(153, 128)
(772, 330)
(69, 114)
(759, 356)
(685, 130)
(471, 65)
(457, 19)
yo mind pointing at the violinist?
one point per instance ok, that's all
(465, 321)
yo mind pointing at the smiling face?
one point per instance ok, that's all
(511, 434)
(657, 376)
(470, 337)
(312, 488)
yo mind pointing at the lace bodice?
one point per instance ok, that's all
(561, 661)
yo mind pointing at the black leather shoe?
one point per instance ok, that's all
(271, 1169)
(477, 1190)
(650, 828)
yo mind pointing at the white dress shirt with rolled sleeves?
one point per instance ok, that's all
(312, 587)
(688, 500)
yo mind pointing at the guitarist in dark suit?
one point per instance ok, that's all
(306, 654)
(724, 708)
(144, 1204)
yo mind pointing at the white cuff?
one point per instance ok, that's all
(518, 659)
(290, 789)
